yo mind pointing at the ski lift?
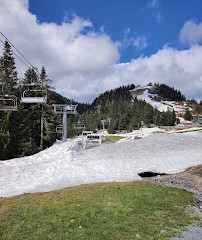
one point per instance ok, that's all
(33, 95)
(92, 140)
(8, 103)
(85, 133)
(79, 126)
(59, 129)
(64, 108)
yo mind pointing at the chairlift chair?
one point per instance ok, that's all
(85, 133)
(79, 126)
(64, 108)
(92, 140)
(8, 103)
(30, 95)
(59, 129)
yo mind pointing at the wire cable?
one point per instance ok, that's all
(19, 52)
(16, 56)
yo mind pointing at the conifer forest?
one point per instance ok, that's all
(20, 130)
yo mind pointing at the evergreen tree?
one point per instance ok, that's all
(30, 118)
(44, 80)
(148, 114)
(167, 92)
(188, 115)
(49, 120)
(9, 81)
(8, 73)
(30, 77)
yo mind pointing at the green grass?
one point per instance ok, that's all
(158, 132)
(112, 138)
(97, 211)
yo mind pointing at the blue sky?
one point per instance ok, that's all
(90, 46)
(159, 21)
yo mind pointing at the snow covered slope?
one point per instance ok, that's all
(66, 164)
(142, 93)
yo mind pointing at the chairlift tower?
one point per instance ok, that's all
(109, 120)
(103, 121)
(65, 110)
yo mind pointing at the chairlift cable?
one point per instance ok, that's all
(17, 56)
(19, 52)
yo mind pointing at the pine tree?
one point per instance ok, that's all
(30, 119)
(8, 73)
(30, 77)
(148, 114)
(49, 120)
(44, 80)
(9, 81)
(188, 115)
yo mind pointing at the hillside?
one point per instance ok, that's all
(67, 164)
(125, 112)
(20, 132)
(163, 97)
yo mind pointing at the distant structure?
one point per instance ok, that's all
(139, 91)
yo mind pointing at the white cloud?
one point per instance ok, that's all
(83, 63)
(154, 3)
(181, 69)
(65, 50)
(191, 33)
(140, 42)
(158, 16)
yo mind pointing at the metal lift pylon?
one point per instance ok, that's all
(65, 110)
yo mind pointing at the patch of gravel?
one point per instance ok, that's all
(193, 233)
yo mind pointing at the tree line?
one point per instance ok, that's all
(167, 93)
(124, 113)
(20, 131)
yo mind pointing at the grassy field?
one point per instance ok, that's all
(113, 138)
(158, 132)
(99, 211)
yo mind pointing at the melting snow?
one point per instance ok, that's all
(163, 105)
(67, 164)
(159, 105)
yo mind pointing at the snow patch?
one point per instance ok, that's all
(67, 164)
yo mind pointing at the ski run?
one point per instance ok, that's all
(68, 164)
